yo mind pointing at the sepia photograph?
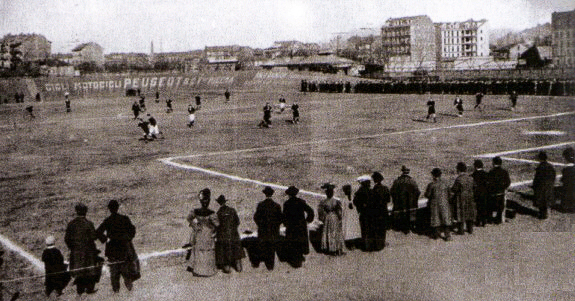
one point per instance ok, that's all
(415, 150)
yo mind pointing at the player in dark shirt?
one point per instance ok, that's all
(431, 110)
(143, 103)
(30, 110)
(136, 109)
(169, 108)
(145, 126)
(266, 122)
(295, 113)
(458, 103)
(478, 99)
(227, 95)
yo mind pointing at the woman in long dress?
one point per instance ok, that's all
(352, 230)
(204, 223)
(330, 213)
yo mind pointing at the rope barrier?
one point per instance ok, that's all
(62, 272)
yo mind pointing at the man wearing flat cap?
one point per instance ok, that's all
(405, 194)
(268, 218)
(296, 215)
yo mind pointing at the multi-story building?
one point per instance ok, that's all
(563, 38)
(408, 44)
(31, 47)
(462, 45)
(88, 53)
(462, 39)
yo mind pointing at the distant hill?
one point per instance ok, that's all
(540, 35)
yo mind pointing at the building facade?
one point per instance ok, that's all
(88, 53)
(408, 44)
(563, 38)
(462, 39)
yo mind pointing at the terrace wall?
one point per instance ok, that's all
(52, 88)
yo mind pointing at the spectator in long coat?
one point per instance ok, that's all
(405, 195)
(229, 252)
(296, 215)
(498, 181)
(204, 223)
(543, 185)
(363, 201)
(437, 193)
(381, 198)
(330, 214)
(568, 181)
(117, 232)
(268, 218)
(464, 209)
(480, 193)
(80, 238)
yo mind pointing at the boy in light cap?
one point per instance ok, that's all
(57, 276)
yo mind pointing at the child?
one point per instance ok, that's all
(57, 276)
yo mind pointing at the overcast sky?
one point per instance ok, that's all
(181, 25)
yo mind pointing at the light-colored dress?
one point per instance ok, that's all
(330, 214)
(351, 227)
(204, 223)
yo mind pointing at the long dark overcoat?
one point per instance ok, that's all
(544, 184)
(568, 187)
(80, 238)
(296, 215)
(228, 245)
(463, 203)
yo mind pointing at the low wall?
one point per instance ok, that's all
(53, 88)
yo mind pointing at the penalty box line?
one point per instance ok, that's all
(524, 150)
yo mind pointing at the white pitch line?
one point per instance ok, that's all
(545, 133)
(375, 135)
(531, 161)
(37, 263)
(490, 155)
(169, 161)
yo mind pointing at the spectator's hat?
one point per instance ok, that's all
(542, 155)
(50, 240)
(377, 177)
(292, 191)
(364, 178)
(221, 199)
(327, 186)
(268, 191)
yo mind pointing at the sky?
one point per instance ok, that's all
(182, 25)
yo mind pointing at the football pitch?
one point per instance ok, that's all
(95, 154)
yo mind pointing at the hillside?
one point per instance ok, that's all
(540, 34)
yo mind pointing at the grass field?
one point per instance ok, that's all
(94, 154)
